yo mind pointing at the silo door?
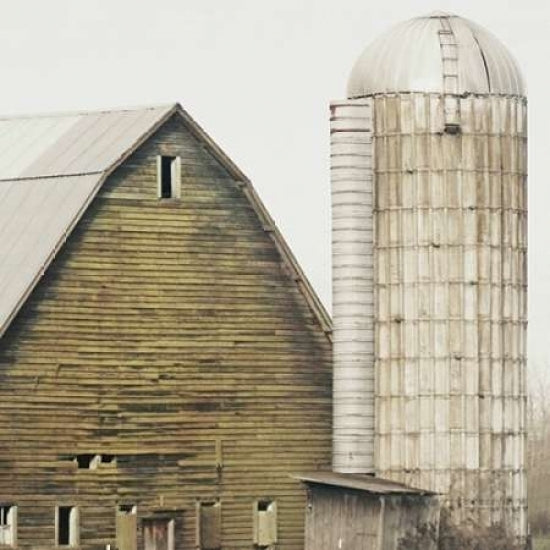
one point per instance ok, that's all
(158, 534)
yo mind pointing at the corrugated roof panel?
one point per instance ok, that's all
(95, 142)
(120, 137)
(35, 215)
(503, 70)
(66, 144)
(53, 161)
(25, 139)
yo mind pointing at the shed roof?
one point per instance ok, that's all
(51, 168)
(361, 482)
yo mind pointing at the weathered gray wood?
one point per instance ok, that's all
(348, 519)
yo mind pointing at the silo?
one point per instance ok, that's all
(428, 170)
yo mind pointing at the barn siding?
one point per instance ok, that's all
(169, 334)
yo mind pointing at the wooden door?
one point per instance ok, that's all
(158, 534)
(126, 528)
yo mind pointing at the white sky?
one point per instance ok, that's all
(258, 75)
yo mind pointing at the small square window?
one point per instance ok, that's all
(8, 524)
(66, 526)
(168, 177)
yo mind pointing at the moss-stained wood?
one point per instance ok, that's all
(171, 335)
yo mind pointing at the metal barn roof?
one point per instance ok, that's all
(361, 482)
(70, 144)
(439, 53)
(52, 166)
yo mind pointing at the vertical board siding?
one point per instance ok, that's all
(352, 276)
(347, 519)
(170, 335)
(450, 288)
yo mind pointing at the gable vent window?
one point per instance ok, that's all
(168, 176)
(265, 524)
(8, 524)
(66, 526)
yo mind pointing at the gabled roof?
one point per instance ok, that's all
(52, 166)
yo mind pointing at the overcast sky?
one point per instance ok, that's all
(258, 75)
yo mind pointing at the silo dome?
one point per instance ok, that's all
(438, 53)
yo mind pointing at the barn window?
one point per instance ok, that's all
(92, 461)
(8, 524)
(66, 526)
(209, 525)
(87, 461)
(168, 176)
(265, 523)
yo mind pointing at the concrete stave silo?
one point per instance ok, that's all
(429, 268)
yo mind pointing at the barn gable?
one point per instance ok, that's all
(52, 166)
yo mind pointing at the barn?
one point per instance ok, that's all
(164, 363)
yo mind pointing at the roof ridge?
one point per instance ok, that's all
(78, 112)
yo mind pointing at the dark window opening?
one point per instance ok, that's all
(4, 515)
(265, 523)
(92, 461)
(166, 177)
(263, 505)
(8, 520)
(452, 129)
(84, 461)
(127, 508)
(66, 525)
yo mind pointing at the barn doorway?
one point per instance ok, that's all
(158, 534)
(126, 527)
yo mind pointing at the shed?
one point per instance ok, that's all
(361, 512)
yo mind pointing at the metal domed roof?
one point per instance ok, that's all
(438, 53)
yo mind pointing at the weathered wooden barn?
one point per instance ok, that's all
(164, 363)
